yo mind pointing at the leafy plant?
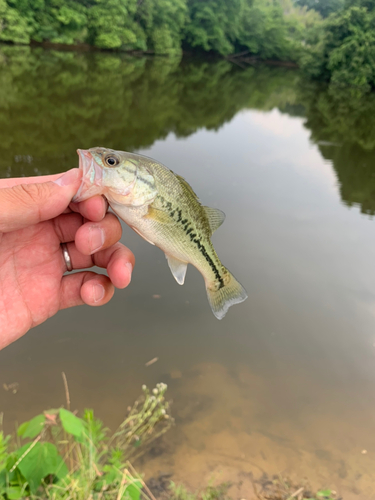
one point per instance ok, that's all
(69, 457)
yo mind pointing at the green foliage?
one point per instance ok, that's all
(111, 25)
(214, 24)
(36, 461)
(342, 49)
(264, 30)
(275, 29)
(324, 7)
(32, 428)
(73, 458)
(163, 22)
(14, 27)
(94, 428)
(71, 424)
(59, 22)
(263, 27)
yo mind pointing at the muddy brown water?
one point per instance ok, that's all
(286, 382)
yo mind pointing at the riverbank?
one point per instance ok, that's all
(59, 455)
(241, 59)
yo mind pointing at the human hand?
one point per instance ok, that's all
(36, 216)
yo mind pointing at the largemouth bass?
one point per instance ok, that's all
(162, 208)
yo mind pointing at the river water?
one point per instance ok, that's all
(285, 383)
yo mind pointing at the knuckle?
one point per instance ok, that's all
(31, 193)
(21, 203)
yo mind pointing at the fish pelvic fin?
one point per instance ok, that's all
(178, 268)
(215, 217)
(221, 299)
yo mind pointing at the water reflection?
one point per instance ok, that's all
(53, 102)
(285, 383)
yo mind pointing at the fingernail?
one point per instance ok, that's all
(130, 267)
(96, 238)
(68, 178)
(98, 293)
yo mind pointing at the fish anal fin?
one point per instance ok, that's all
(178, 268)
(215, 217)
(158, 216)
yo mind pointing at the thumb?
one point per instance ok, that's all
(27, 204)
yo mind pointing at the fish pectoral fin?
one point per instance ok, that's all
(158, 216)
(178, 268)
(215, 217)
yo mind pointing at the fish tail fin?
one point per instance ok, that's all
(231, 293)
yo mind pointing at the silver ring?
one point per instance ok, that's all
(66, 255)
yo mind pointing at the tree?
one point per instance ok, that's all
(163, 22)
(112, 25)
(214, 24)
(343, 49)
(324, 7)
(59, 22)
(14, 27)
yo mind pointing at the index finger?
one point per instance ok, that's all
(93, 209)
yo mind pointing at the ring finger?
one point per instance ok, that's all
(118, 260)
(90, 237)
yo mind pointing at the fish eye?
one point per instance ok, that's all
(112, 160)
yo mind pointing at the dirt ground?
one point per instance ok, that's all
(221, 435)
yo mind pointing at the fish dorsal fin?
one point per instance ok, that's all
(186, 187)
(215, 217)
(178, 268)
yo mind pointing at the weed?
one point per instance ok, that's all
(280, 488)
(67, 457)
(179, 492)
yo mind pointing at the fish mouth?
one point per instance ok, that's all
(92, 176)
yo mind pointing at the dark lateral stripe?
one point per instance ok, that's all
(193, 236)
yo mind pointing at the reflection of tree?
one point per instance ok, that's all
(355, 170)
(339, 116)
(52, 103)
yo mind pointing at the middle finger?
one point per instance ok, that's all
(94, 236)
